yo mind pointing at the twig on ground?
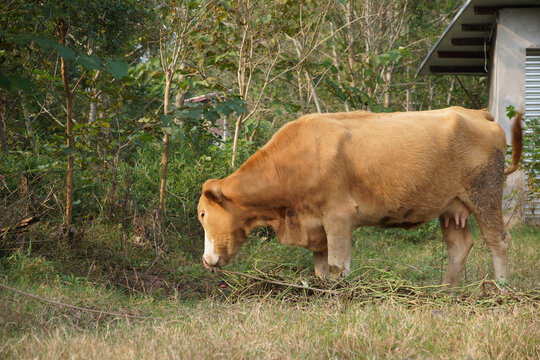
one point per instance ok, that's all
(69, 306)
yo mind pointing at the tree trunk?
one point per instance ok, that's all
(430, 95)
(349, 16)
(235, 140)
(449, 97)
(27, 120)
(62, 32)
(3, 127)
(165, 156)
(226, 132)
(335, 61)
(313, 92)
(92, 115)
(3, 138)
(387, 83)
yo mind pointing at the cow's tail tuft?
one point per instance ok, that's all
(517, 144)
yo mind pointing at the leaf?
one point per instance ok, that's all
(166, 120)
(117, 68)
(195, 114)
(405, 52)
(511, 111)
(382, 59)
(90, 62)
(211, 115)
(18, 82)
(395, 55)
(226, 5)
(239, 108)
(224, 108)
(4, 82)
(65, 52)
(145, 137)
(48, 10)
(169, 130)
(67, 150)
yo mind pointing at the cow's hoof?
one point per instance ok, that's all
(336, 272)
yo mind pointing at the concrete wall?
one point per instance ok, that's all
(517, 31)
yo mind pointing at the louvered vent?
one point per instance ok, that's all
(532, 116)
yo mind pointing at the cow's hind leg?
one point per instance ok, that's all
(498, 241)
(485, 202)
(459, 242)
(320, 260)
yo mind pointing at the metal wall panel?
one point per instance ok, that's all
(532, 116)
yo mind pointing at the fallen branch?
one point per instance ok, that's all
(94, 311)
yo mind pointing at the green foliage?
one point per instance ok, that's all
(531, 154)
(27, 269)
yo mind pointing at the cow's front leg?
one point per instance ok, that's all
(339, 234)
(320, 260)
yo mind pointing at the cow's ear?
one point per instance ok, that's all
(212, 190)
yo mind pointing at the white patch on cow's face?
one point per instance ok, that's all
(210, 256)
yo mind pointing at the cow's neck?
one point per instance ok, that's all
(256, 187)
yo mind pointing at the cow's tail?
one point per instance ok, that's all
(517, 144)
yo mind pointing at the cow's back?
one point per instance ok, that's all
(383, 161)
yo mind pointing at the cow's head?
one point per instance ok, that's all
(224, 223)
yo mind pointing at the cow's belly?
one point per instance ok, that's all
(412, 214)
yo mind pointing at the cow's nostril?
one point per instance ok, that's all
(205, 263)
(208, 265)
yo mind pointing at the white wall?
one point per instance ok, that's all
(517, 31)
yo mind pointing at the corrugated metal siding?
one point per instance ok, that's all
(532, 115)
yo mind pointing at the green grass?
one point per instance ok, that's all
(382, 310)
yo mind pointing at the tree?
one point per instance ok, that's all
(182, 20)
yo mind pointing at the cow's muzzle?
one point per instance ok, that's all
(207, 266)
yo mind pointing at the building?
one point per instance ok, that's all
(499, 39)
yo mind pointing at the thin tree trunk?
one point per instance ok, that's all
(300, 92)
(27, 120)
(3, 137)
(387, 82)
(92, 114)
(335, 61)
(3, 127)
(226, 132)
(313, 92)
(62, 32)
(245, 54)
(235, 140)
(165, 156)
(408, 98)
(430, 95)
(349, 15)
(449, 97)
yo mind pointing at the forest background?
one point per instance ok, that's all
(116, 102)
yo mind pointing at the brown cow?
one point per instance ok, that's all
(322, 175)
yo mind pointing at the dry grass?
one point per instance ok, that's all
(387, 309)
(270, 329)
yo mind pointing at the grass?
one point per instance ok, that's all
(387, 308)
